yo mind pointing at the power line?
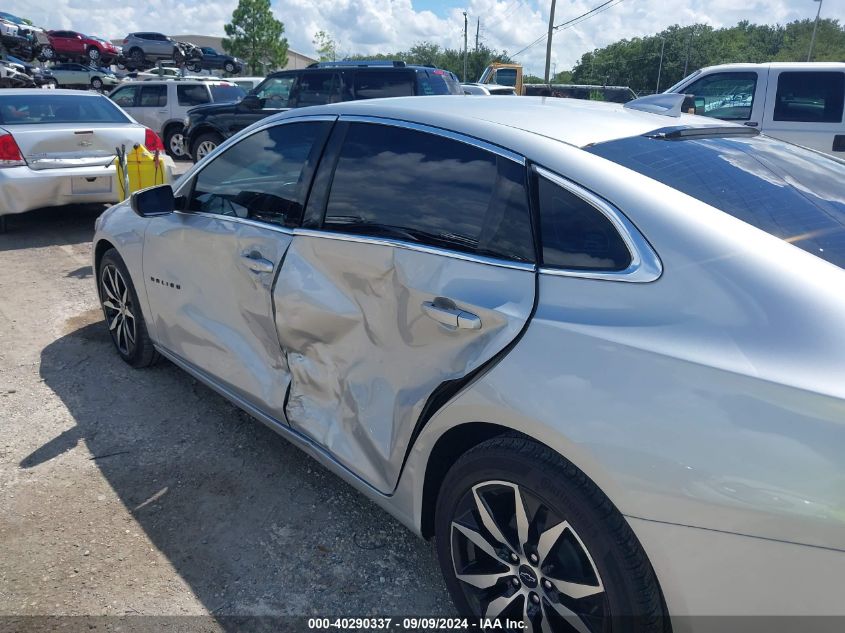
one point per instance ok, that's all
(604, 6)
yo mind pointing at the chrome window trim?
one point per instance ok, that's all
(420, 248)
(232, 218)
(438, 131)
(235, 138)
(645, 265)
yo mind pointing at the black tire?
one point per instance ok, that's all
(94, 54)
(202, 142)
(136, 56)
(194, 67)
(598, 550)
(229, 67)
(47, 54)
(174, 138)
(130, 336)
(97, 84)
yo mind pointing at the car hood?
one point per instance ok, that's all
(223, 107)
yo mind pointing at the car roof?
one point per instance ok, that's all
(573, 121)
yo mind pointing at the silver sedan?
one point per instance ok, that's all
(595, 350)
(57, 147)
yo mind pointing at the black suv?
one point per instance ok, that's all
(325, 82)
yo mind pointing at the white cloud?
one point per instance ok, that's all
(373, 26)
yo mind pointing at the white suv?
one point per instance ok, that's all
(162, 105)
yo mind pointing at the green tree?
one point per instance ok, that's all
(256, 36)
(325, 46)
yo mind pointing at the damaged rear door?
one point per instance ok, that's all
(417, 270)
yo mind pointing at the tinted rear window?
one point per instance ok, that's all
(790, 192)
(376, 84)
(46, 108)
(437, 82)
(419, 187)
(227, 93)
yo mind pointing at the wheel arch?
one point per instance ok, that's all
(100, 249)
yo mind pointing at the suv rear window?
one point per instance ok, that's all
(788, 191)
(226, 93)
(380, 83)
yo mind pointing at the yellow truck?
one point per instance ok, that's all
(511, 75)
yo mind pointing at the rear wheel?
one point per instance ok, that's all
(205, 144)
(229, 67)
(136, 56)
(174, 141)
(97, 83)
(123, 313)
(47, 54)
(523, 535)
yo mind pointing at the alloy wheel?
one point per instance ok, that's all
(93, 54)
(518, 559)
(119, 309)
(204, 149)
(177, 144)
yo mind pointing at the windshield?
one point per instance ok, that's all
(32, 109)
(226, 93)
(788, 191)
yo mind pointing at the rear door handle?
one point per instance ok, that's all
(451, 316)
(256, 263)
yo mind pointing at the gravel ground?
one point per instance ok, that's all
(142, 492)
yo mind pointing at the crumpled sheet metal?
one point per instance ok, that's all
(364, 357)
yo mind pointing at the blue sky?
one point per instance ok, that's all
(373, 26)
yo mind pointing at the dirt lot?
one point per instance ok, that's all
(127, 492)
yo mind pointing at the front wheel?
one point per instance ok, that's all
(97, 84)
(523, 536)
(204, 145)
(229, 67)
(94, 54)
(123, 313)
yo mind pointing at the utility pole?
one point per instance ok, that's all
(660, 67)
(477, 29)
(549, 40)
(815, 28)
(465, 46)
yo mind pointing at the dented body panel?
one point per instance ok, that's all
(364, 355)
(211, 309)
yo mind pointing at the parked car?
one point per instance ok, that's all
(214, 60)
(21, 38)
(595, 351)
(71, 74)
(73, 46)
(14, 75)
(142, 50)
(56, 147)
(42, 77)
(163, 104)
(326, 82)
(487, 89)
(797, 102)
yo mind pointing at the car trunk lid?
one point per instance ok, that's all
(59, 145)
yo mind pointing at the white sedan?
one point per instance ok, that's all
(57, 147)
